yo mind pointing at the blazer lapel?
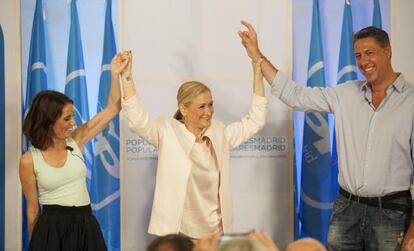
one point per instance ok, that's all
(184, 137)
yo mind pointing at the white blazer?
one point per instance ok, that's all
(174, 143)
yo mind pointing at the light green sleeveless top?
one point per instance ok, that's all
(66, 185)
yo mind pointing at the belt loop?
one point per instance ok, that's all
(358, 199)
(379, 202)
(349, 197)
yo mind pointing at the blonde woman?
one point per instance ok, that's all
(193, 192)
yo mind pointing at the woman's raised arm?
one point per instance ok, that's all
(93, 127)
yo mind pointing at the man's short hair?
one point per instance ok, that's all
(378, 34)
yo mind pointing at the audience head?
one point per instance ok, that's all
(241, 244)
(45, 110)
(306, 244)
(171, 242)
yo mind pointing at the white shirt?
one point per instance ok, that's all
(201, 207)
(375, 146)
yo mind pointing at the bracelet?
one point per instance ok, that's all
(260, 57)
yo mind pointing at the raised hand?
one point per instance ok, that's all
(125, 71)
(119, 63)
(249, 41)
(264, 239)
(128, 69)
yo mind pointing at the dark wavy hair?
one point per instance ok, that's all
(44, 111)
(174, 241)
(378, 34)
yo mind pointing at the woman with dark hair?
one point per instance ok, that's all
(192, 190)
(47, 106)
(53, 173)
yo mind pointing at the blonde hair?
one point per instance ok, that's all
(186, 93)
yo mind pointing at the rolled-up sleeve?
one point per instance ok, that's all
(319, 99)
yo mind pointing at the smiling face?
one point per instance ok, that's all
(373, 60)
(198, 113)
(63, 126)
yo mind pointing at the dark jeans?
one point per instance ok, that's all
(356, 226)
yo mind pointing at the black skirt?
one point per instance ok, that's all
(66, 229)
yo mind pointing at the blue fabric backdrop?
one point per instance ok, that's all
(105, 184)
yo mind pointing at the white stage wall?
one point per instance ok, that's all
(402, 37)
(10, 22)
(178, 40)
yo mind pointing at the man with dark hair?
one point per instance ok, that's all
(375, 141)
(373, 32)
(171, 242)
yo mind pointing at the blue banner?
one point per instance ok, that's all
(2, 141)
(36, 81)
(347, 69)
(76, 87)
(105, 194)
(376, 17)
(316, 194)
(296, 195)
(36, 67)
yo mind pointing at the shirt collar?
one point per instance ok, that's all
(399, 84)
